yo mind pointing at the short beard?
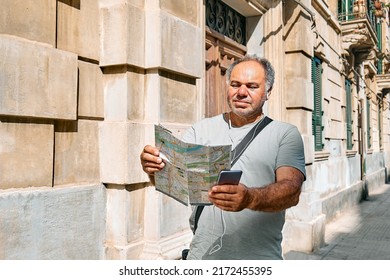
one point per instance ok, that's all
(245, 115)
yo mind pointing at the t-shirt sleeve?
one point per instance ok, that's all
(291, 151)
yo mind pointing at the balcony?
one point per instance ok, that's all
(359, 25)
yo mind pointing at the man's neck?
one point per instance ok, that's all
(238, 121)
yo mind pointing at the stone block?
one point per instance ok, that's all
(136, 3)
(124, 95)
(26, 154)
(297, 87)
(374, 162)
(334, 77)
(337, 173)
(304, 236)
(125, 214)
(120, 146)
(182, 39)
(178, 96)
(374, 182)
(335, 148)
(53, 224)
(308, 208)
(335, 130)
(171, 97)
(37, 81)
(76, 152)
(297, 96)
(301, 119)
(303, 72)
(152, 96)
(338, 201)
(166, 226)
(91, 96)
(300, 37)
(354, 172)
(307, 186)
(124, 45)
(187, 10)
(166, 248)
(78, 27)
(174, 216)
(335, 110)
(120, 252)
(326, 123)
(320, 175)
(327, 85)
(34, 20)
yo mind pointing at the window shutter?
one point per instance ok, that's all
(379, 45)
(349, 113)
(368, 123)
(317, 127)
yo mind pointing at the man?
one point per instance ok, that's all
(246, 220)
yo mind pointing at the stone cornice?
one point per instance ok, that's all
(249, 8)
(325, 12)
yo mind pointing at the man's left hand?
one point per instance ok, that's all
(230, 197)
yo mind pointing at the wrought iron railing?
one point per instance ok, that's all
(369, 16)
(226, 21)
(374, 21)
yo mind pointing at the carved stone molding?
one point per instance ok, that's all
(383, 83)
(358, 36)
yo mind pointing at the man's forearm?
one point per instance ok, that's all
(275, 197)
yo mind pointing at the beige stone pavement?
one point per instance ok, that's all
(360, 233)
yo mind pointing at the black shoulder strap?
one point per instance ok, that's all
(237, 152)
(199, 210)
(240, 148)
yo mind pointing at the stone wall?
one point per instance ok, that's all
(52, 202)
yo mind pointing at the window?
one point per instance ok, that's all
(348, 111)
(317, 128)
(345, 10)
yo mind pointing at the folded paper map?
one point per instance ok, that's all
(190, 169)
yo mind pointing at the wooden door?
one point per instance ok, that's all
(220, 53)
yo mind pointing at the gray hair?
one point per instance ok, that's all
(268, 68)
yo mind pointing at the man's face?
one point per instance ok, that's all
(246, 91)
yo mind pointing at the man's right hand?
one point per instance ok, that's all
(150, 161)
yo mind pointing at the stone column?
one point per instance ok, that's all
(274, 52)
(150, 77)
(289, 45)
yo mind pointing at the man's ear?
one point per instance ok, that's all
(269, 92)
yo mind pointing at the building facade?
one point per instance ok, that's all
(83, 82)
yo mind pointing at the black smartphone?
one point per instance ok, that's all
(229, 177)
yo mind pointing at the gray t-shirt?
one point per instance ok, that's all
(246, 234)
